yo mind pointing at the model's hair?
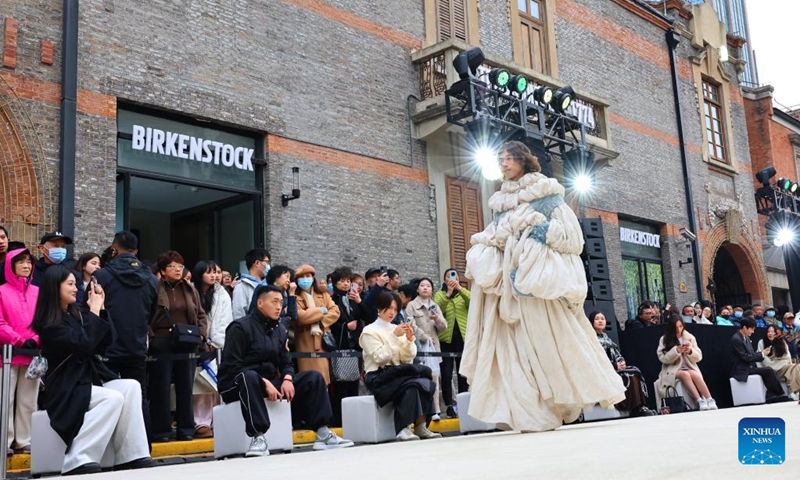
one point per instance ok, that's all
(206, 297)
(125, 240)
(255, 255)
(778, 345)
(522, 153)
(671, 332)
(385, 300)
(341, 273)
(168, 257)
(48, 304)
(277, 272)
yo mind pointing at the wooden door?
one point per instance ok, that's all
(464, 219)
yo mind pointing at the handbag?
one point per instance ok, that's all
(184, 337)
(345, 368)
(37, 368)
(673, 403)
(430, 361)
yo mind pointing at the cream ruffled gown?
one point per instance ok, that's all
(531, 357)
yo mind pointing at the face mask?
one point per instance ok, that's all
(305, 283)
(687, 318)
(57, 254)
(330, 288)
(266, 270)
(737, 314)
(770, 314)
(725, 316)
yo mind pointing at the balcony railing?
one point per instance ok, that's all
(435, 71)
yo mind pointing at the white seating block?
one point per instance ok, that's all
(599, 413)
(466, 423)
(230, 437)
(47, 448)
(364, 422)
(751, 392)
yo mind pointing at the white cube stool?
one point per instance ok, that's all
(47, 448)
(230, 437)
(751, 392)
(596, 412)
(364, 422)
(466, 423)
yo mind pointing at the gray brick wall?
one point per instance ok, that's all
(495, 28)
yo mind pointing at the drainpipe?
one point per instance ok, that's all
(673, 40)
(69, 103)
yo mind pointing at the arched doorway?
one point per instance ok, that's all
(730, 285)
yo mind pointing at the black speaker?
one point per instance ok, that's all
(595, 248)
(592, 227)
(607, 307)
(600, 290)
(598, 273)
(598, 269)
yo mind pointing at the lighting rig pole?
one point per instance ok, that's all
(779, 202)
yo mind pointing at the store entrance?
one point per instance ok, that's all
(201, 223)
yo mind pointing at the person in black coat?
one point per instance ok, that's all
(745, 358)
(53, 247)
(89, 407)
(256, 365)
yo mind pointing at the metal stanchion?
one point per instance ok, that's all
(4, 401)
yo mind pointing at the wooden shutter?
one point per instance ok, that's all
(452, 18)
(465, 218)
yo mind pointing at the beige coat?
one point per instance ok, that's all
(418, 312)
(671, 363)
(303, 340)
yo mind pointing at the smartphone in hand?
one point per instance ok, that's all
(96, 285)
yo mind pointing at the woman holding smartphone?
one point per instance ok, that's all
(425, 314)
(453, 301)
(346, 331)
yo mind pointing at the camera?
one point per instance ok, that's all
(453, 275)
(687, 234)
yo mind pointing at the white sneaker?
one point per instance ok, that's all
(258, 447)
(331, 441)
(405, 435)
(793, 396)
(422, 432)
(436, 418)
(702, 404)
(712, 404)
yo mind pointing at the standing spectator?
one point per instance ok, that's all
(131, 291)
(679, 356)
(788, 331)
(257, 263)
(777, 357)
(406, 293)
(453, 300)
(377, 282)
(346, 331)
(758, 311)
(227, 282)
(636, 392)
(646, 316)
(358, 280)
(3, 252)
(745, 358)
(178, 304)
(394, 280)
(426, 315)
(88, 405)
(217, 306)
(371, 278)
(53, 248)
(316, 312)
(770, 317)
(706, 317)
(256, 365)
(391, 377)
(282, 277)
(88, 264)
(17, 306)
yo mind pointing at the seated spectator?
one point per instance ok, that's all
(316, 312)
(698, 311)
(758, 311)
(744, 362)
(771, 318)
(706, 317)
(89, 407)
(776, 356)
(636, 394)
(646, 316)
(679, 356)
(737, 315)
(430, 322)
(17, 306)
(723, 319)
(788, 331)
(391, 377)
(283, 277)
(256, 365)
(687, 314)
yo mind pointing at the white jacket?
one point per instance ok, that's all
(220, 316)
(242, 295)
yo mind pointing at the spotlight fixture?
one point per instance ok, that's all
(562, 99)
(543, 95)
(518, 84)
(765, 175)
(486, 158)
(499, 77)
(787, 185)
(285, 199)
(579, 169)
(467, 63)
(782, 228)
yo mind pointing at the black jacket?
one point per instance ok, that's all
(41, 265)
(387, 384)
(744, 358)
(70, 349)
(346, 339)
(131, 294)
(636, 323)
(256, 343)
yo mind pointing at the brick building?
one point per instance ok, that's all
(190, 116)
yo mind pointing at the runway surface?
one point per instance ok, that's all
(695, 445)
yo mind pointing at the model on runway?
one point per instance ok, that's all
(531, 357)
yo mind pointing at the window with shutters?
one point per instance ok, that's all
(464, 217)
(715, 133)
(533, 23)
(453, 20)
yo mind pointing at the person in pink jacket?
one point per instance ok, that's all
(17, 305)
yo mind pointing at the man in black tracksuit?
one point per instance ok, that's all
(131, 295)
(256, 365)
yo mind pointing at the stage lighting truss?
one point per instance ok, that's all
(780, 202)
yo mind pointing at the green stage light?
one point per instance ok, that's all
(499, 77)
(518, 83)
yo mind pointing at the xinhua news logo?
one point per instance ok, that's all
(762, 441)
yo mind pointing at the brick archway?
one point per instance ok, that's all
(747, 256)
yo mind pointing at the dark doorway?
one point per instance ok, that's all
(730, 287)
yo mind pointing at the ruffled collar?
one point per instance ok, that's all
(532, 186)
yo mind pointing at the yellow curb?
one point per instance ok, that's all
(19, 461)
(172, 449)
(445, 425)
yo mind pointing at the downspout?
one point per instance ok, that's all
(69, 103)
(673, 40)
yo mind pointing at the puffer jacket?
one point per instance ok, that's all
(17, 306)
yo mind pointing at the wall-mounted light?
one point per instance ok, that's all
(285, 199)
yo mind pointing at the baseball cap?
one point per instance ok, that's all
(371, 271)
(55, 236)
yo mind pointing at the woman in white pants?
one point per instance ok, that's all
(89, 407)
